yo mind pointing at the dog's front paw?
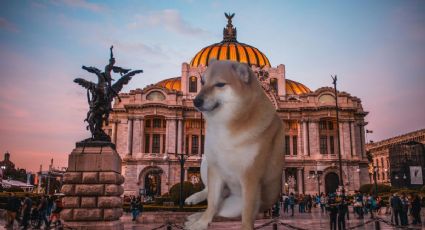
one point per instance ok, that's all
(196, 198)
(197, 225)
(194, 217)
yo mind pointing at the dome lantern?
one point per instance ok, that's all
(230, 49)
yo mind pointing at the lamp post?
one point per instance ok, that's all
(334, 78)
(182, 159)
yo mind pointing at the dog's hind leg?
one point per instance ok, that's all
(231, 206)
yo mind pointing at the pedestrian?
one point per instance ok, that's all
(42, 212)
(416, 209)
(404, 209)
(309, 202)
(396, 207)
(342, 210)
(12, 207)
(26, 211)
(332, 208)
(134, 205)
(50, 202)
(285, 204)
(55, 215)
(358, 204)
(292, 203)
(323, 202)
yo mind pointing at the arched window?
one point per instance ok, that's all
(155, 96)
(273, 84)
(193, 84)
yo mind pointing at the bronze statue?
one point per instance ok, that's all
(100, 96)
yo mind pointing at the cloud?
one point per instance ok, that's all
(169, 19)
(5, 24)
(83, 4)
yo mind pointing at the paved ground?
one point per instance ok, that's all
(309, 221)
(315, 221)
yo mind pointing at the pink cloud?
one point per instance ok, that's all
(83, 4)
(7, 25)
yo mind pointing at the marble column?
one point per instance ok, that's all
(130, 136)
(114, 132)
(300, 180)
(167, 138)
(353, 137)
(341, 139)
(136, 136)
(305, 138)
(180, 136)
(141, 134)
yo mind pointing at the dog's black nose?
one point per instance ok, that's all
(198, 102)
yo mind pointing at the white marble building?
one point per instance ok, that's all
(150, 125)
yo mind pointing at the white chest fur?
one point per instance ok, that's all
(229, 154)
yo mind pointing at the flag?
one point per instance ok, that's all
(369, 131)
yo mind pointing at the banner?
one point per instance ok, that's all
(416, 175)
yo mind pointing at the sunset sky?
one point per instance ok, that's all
(377, 49)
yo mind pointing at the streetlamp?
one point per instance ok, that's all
(334, 78)
(182, 159)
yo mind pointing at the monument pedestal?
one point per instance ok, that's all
(92, 187)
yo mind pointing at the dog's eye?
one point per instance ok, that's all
(220, 84)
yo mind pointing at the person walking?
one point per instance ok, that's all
(342, 211)
(42, 212)
(358, 205)
(285, 204)
(292, 203)
(26, 211)
(332, 208)
(396, 208)
(12, 207)
(134, 205)
(416, 209)
(404, 209)
(323, 202)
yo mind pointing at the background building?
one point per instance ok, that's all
(390, 157)
(150, 125)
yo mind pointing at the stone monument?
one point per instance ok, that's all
(92, 182)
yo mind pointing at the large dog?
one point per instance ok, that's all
(243, 161)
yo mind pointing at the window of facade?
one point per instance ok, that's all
(273, 84)
(327, 132)
(147, 143)
(156, 143)
(323, 144)
(291, 138)
(195, 145)
(287, 146)
(332, 144)
(194, 136)
(294, 145)
(155, 128)
(193, 84)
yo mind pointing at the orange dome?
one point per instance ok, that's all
(171, 83)
(230, 49)
(233, 51)
(292, 87)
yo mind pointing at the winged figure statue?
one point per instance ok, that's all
(101, 94)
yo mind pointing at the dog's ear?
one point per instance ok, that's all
(242, 70)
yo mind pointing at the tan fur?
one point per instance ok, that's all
(244, 113)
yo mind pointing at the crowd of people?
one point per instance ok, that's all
(136, 206)
(26, 211)
(337, 206)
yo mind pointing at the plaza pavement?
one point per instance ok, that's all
(314, 221)
(309, 221)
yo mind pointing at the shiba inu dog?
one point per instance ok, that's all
(243, 161)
